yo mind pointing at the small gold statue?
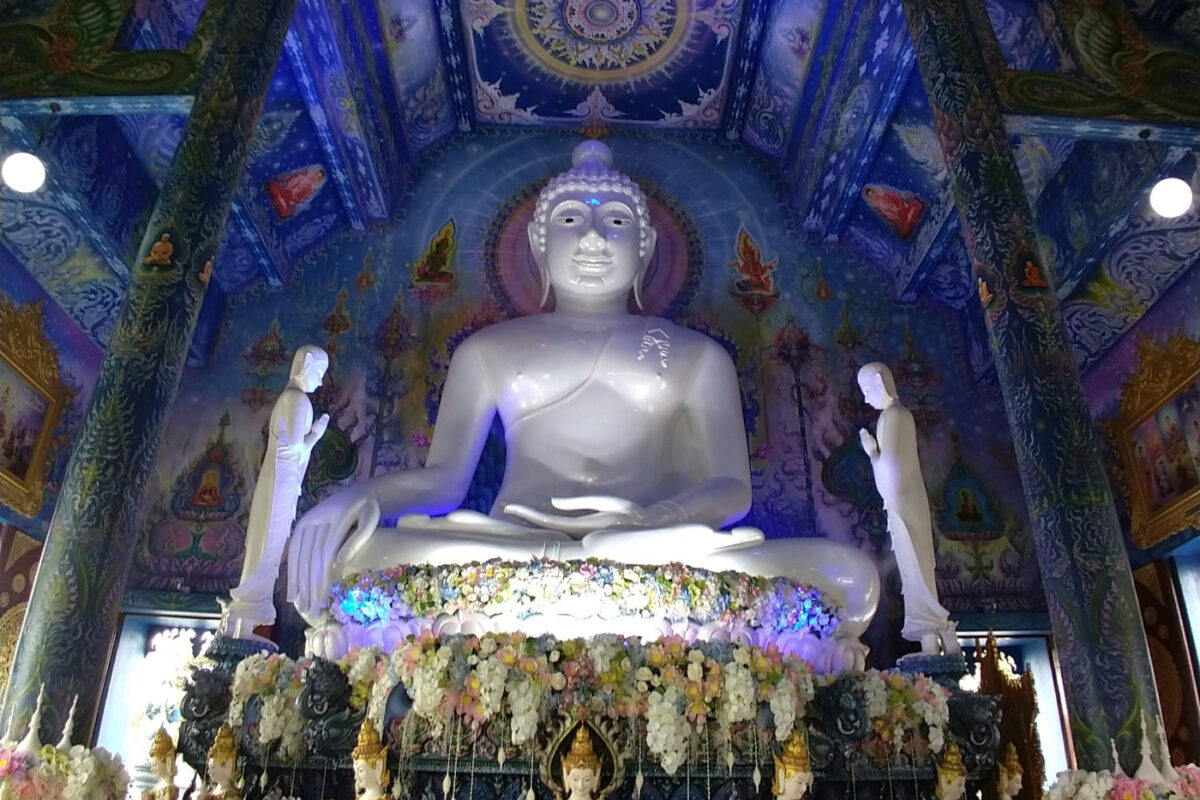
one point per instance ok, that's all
(581, 767)
(370, 764)
(160, 252)
(793, 770)
(162, 766)
(220, 782)
(1009, 774)
(951, 774)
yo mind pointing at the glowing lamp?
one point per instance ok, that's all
(23, 172)
(1171, 197)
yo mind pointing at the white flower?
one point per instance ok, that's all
(695, 671)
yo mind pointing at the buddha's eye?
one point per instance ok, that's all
(618, 222)
(569, 219)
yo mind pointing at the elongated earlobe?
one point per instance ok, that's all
(637, 292)
(544, 274)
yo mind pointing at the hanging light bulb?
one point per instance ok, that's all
(1171, 197)
(23, 172)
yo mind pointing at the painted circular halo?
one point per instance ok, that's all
(670, 282)
(601, 41)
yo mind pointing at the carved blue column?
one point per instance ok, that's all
(73, 610)
(1089, 589)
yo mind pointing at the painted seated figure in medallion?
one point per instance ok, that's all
(624, 433)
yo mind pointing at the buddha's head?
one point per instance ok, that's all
(1009, 776)
(581, 766)
(309, 366)
(951, 774)
(162, 756)
(370, 762)
(877, 384)
(793, 770)
(591, 235)
(222, 758)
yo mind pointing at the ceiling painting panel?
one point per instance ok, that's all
(409, 30)
(601, 61)
(787, 54)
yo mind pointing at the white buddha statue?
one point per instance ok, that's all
(291, 436)
(624, 433)
(893, 454)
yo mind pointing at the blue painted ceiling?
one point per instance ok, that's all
(826, 91)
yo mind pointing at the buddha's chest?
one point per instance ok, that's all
(596, 374)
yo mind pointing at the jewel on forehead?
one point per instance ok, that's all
(595, 201)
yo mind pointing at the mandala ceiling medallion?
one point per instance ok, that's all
(601, 41)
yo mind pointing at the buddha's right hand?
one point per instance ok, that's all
(317, 549)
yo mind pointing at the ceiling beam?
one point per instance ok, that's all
(321, 72)
(753, 30)
(63, 194)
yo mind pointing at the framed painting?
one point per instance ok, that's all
(31, 400)
(1157, 434)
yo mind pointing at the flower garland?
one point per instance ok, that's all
(587, 588)
(1103, 785)
(517, 681)
(275, 679)
(78, 773)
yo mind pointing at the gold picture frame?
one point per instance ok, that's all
(1157, 435)
(31, 399)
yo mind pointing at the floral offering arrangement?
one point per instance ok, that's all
(587, 588)
(30, 770)
(682, 690)
(1183, 784)
(275, 680)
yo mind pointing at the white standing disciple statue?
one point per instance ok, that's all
(291, 436)
(893, 452)
(624, 433)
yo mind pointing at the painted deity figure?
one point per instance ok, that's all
(793, 769)
(624, 433)
(291, 435)
(220, 780)
(893, 453)
(370, 764)
(581, 768)
(162, 766)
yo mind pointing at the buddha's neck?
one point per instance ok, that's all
(567, 306)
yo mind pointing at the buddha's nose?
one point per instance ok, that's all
(592, 241)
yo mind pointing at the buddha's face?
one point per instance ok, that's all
(220, 772)
(1010, 782)
(312, 375)
(580, 782)
(951, 786)
(873, 392)
(367, 779)
(162, 769)
(795, 785)
(593, 241)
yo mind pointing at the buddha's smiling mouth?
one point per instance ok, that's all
(592, 265)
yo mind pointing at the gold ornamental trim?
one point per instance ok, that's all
(29, 359)
(1164, 370)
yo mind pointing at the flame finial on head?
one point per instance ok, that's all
(581, 755)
